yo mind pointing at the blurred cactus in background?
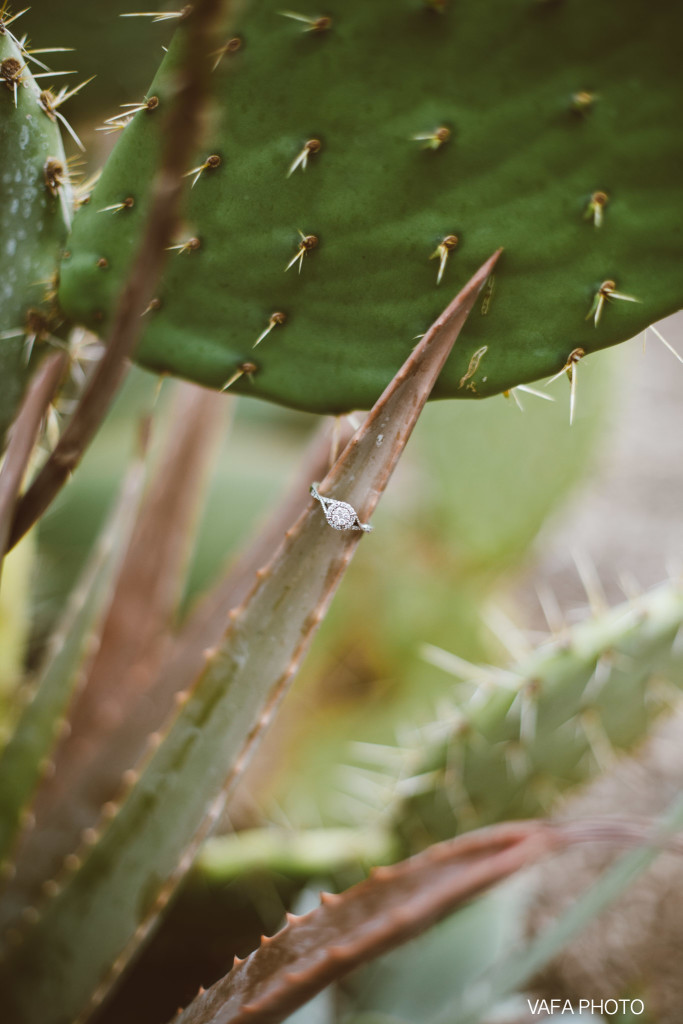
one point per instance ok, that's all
(286, 213)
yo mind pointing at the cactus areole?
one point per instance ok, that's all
(363, 159)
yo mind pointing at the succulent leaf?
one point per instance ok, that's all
(30, 748)
(347, 930)
(352, 148)
(134, 636)
(35, 215)
(117, 884)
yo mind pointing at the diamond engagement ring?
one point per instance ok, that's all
(339, 514)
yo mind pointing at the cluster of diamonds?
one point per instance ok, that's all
(340, 515)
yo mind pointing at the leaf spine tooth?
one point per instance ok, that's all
(130, 778)
(154, 741)
(50, 888)
(72, 862)
(89, 836)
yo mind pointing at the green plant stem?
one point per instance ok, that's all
(308, 854)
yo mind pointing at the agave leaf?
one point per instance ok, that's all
(205, 625)
(522, 964)
(393, 905)
(73, 948)
(23, 438)
(135, 637)
(27, 754)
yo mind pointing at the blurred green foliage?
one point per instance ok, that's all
(477, 483)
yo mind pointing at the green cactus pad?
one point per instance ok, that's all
(35, 204)
(555, 720)
(548, 129)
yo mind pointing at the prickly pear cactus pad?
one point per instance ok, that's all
(35, 205)
(365, 158)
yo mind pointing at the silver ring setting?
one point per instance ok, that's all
(339, 514)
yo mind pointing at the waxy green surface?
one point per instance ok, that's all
(32, 220)
(518, 171)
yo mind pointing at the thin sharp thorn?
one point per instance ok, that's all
(442, 266)
(51, 49)
(516, 399)
(301, 161)
(294, 16)
(13, 17)
(70, 130)
(665, 342)
(605, 293)
(485, 675)
(572, 393)
(54, 74)
(299, 256)
(511, 637)
(590, 581)
(551, 609)
(533, 391)
(555, 376)
(245, 368)
(155, 15)
(28, 347)
(315, 24)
